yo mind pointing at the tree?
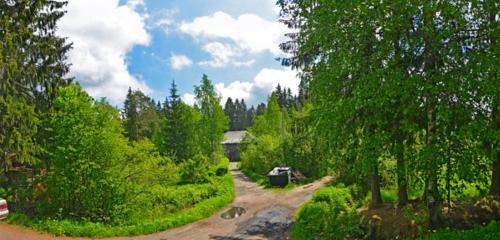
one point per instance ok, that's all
(230, 111)
(261, 109)
(213, 122)
(270, 122)
(178, 135)
(250, 115)
(87, 149)
(414, 73)
(32, 67)
(140, 116)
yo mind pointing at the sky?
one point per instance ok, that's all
(146, 44)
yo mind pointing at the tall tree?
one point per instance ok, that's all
(250, 115)
(87, 149)
(261, 109)
(32, 67)
(140, 116)
(179, 129)
(411, 57)
(213, 122)
(230, 111)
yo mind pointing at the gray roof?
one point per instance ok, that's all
(233, 137)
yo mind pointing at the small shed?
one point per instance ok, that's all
(232, 142)
(280, 176)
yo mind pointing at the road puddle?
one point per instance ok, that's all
(233, 212)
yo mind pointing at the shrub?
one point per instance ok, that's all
(222, 168)
(261, 156)
(195, 170)
(186, 214)
(329, 215)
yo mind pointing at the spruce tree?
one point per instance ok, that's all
(32, 68)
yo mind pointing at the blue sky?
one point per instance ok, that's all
(145, 44)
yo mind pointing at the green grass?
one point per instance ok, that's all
(490, 231)
(200, 210)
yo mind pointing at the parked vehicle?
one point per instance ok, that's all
(4, 209)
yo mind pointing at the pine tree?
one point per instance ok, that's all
(140, 116)
(230, 111)
(179, 128)
(242, 115)
(250, 116)
(261, 109)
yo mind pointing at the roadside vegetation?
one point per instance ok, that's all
(399, 102)
(72, 165)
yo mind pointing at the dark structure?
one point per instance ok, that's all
(232, 142)
(280, 176)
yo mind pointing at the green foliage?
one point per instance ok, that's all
(32, 66)
(329, 215)
(141, 117)
(408, 83)
(240, 118)
(195, 170)
(178, 136)
(213, 122)
(490, 231)
(262, 155)
(270, 122)
(202, 209)
(86, 151)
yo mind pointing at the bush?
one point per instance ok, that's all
(187, 214)
(222, 168)
(195, 170)
(329, 215)
(261, 156)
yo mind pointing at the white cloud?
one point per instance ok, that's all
(234, 90)
(263, 84)
(102, 36)
(248, 34)
(136, 3)
(268, 79)
(223, 55)
(178, 62)
(163, 19)
(189, 98)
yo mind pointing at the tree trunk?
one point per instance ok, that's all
(375, 185)
(432, 196)
(433, 203)
(495, 176)
(401, 172)
(495, 154)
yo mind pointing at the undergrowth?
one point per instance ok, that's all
(202, 209)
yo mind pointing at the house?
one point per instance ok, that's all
(232, 142)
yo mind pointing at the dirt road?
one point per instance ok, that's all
(267, 215)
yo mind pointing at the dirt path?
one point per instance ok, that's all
(268, 216)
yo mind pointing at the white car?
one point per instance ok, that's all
(4, 209)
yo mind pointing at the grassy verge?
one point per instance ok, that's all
(490, 231)
(201, 210)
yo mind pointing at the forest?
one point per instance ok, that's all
(398, 101)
